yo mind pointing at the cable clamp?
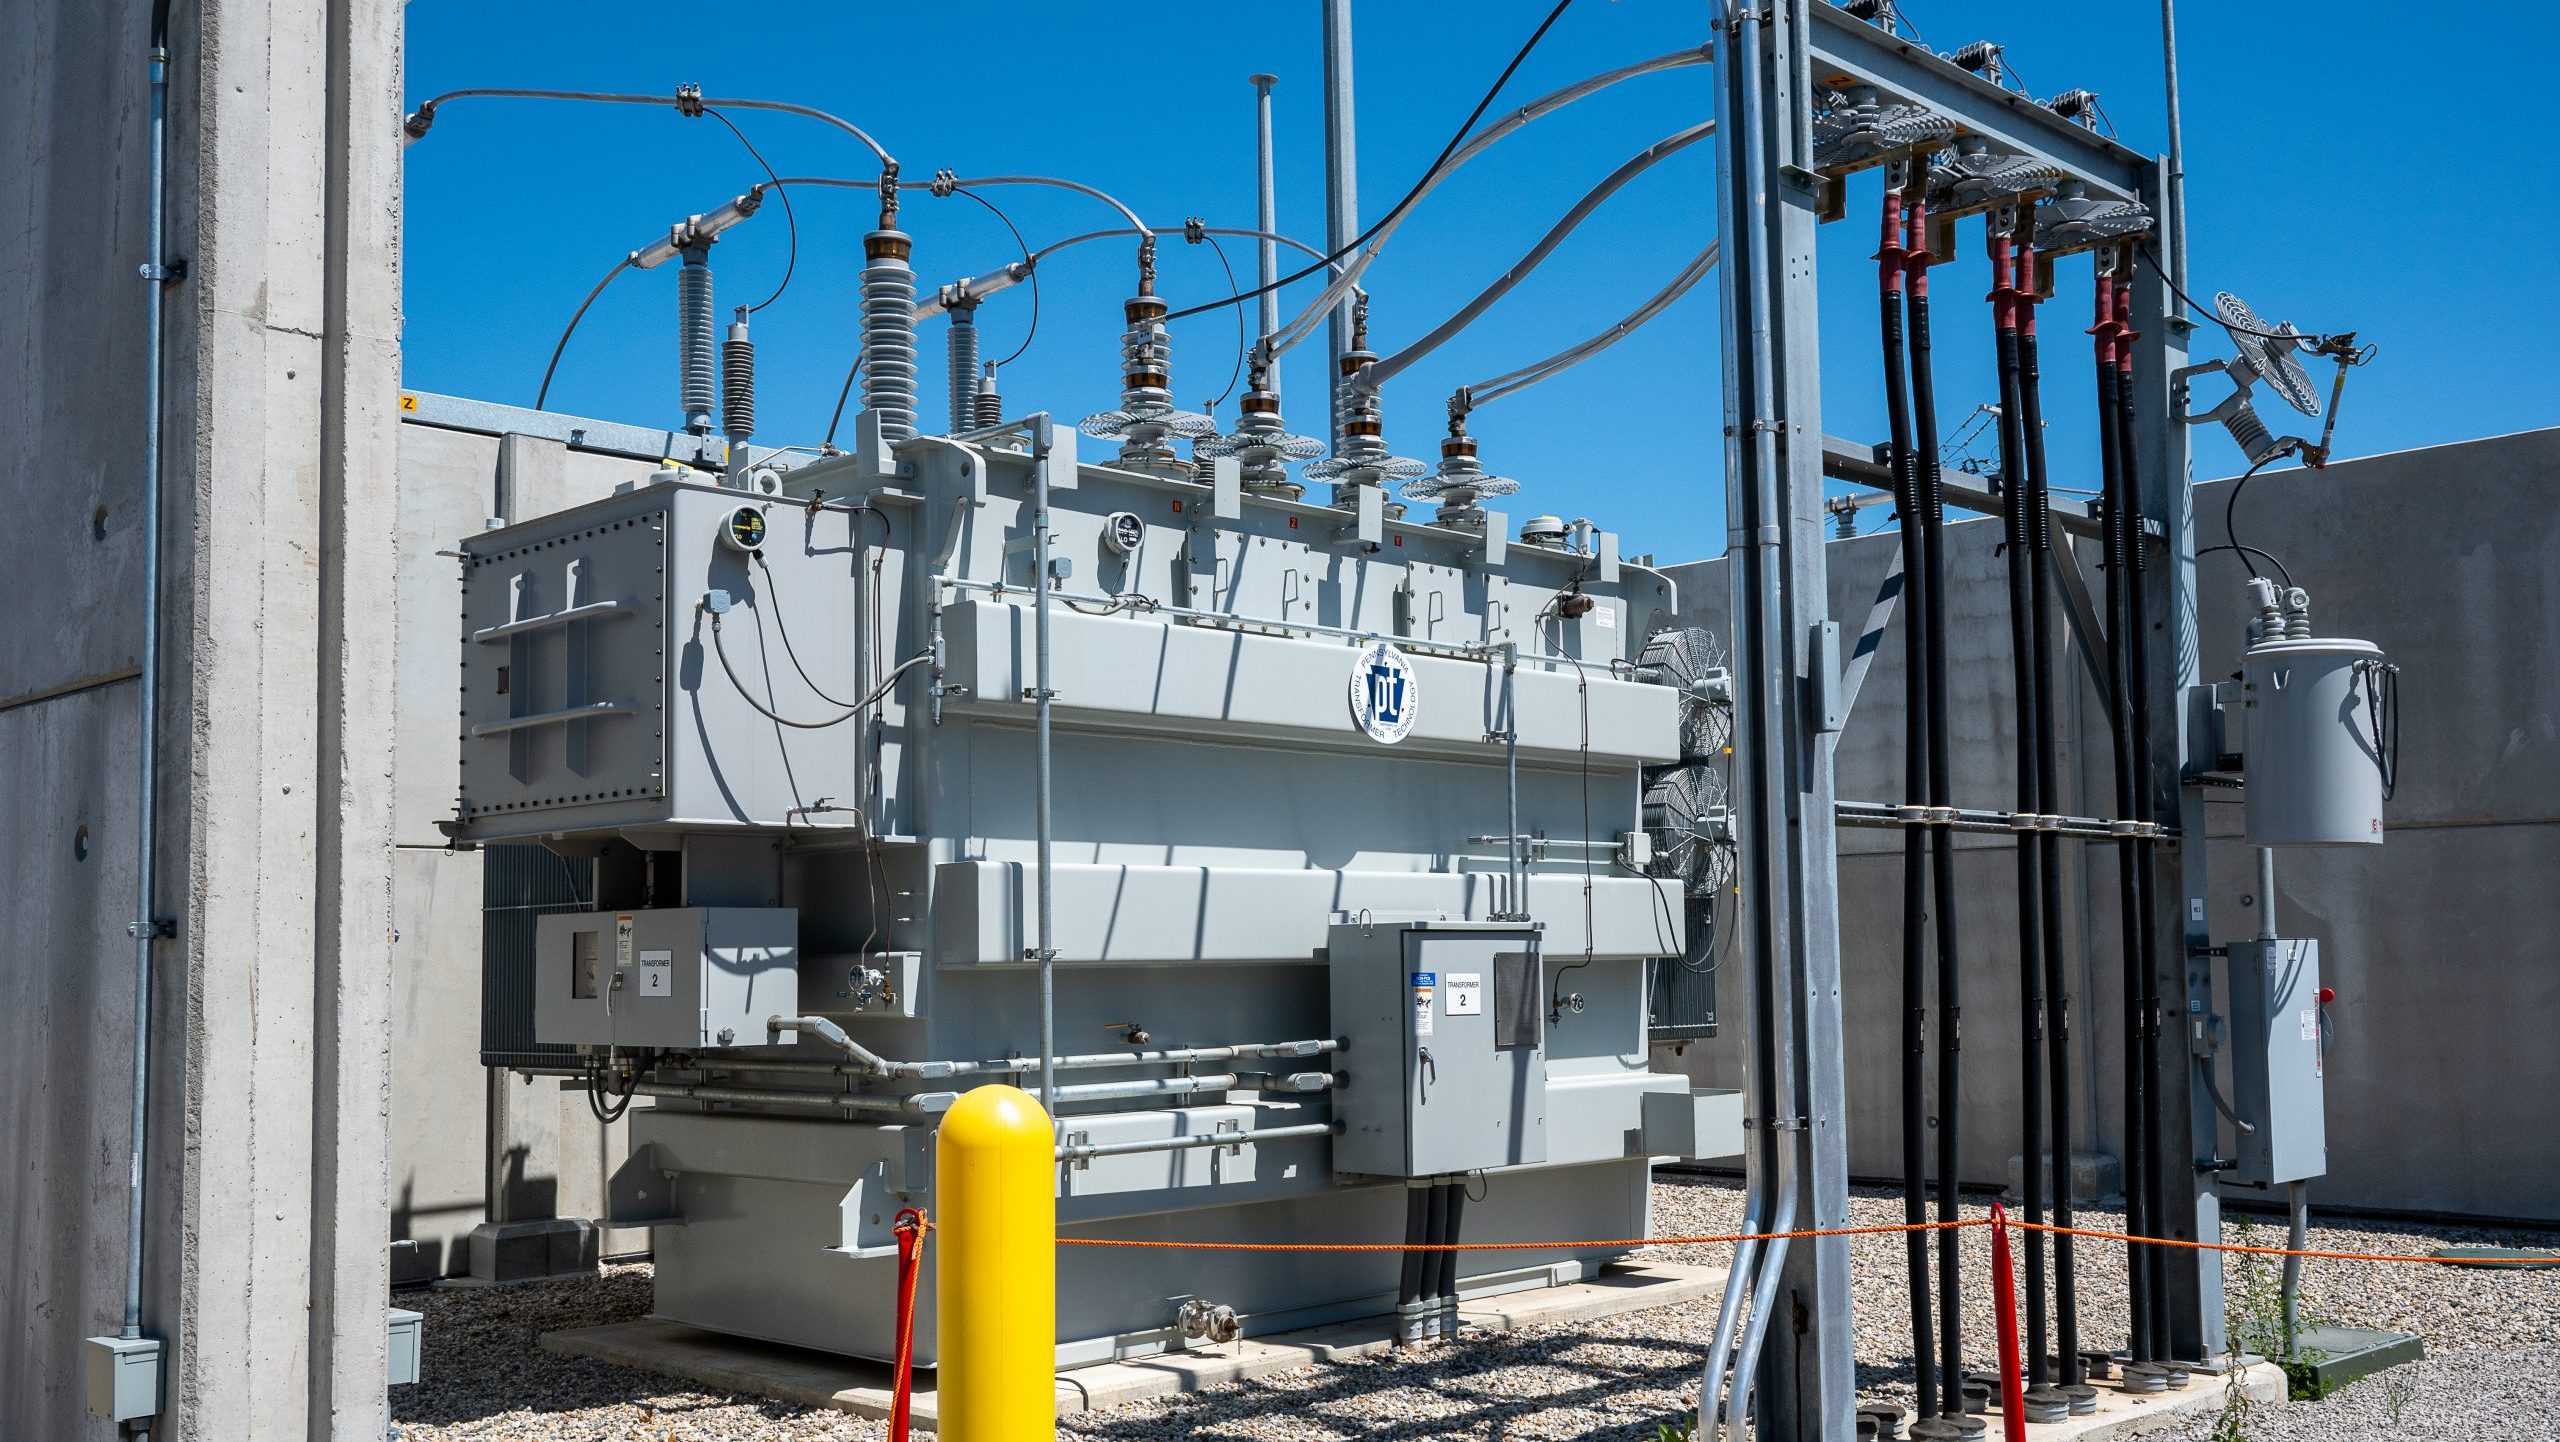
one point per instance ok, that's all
(942, 185)
(2051, 822)
(1911, 814)
(1942, 816)
(2126, 829)
(161, 929)
(2024, 821)
(689, 101)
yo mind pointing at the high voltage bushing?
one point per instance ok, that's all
(1262, 443)
(738, 386)
(889, 333)
(962, 369)
(695, 386)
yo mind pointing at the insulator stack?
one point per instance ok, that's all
(1146, 379)
(889, 333)
(695, 347)
(963, 369)
(738, 385)
(989, 405)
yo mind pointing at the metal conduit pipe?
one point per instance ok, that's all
(1891, 276)
(1760, 600)
(1013, 273)
(1349, 275)
(2069, 1367)
(1044, 453)
(1942, 848)
(920, 1104)
(688, 100)
(1377, 373)
(1515, 882)
(1086, 1151)
(1526, 376)
(144, 929)
(1008, 1066)
(1170, 1086)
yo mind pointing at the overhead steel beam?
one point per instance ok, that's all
(1861, 465)
(1847, 50)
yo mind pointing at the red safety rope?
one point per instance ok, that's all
(910, 1226)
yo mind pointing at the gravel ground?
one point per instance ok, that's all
(2493, 1373)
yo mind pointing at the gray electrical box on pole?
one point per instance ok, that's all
(1445, 1067)
(2276, 1061)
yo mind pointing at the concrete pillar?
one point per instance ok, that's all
(265, 1266)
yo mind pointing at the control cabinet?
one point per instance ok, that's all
(687, 978)
(1444, 1068)
(2276, 1061)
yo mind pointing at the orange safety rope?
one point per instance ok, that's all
(1520, 1246)
(2283, 1251)
(1729, 1237)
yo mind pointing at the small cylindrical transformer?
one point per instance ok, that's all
(2314, 747)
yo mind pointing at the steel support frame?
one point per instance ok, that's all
(1767, 205)
(1768, 201)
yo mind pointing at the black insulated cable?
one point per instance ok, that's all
(1401, 206)
(1942, 841)
(2017, 549)
(1915, 843)
(2112, 525)
(2068, 1367)
(1417, 1218)
(2155, 1181)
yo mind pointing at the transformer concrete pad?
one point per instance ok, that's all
(820, 1379)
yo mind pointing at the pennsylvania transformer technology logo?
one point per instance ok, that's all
(1384, 693)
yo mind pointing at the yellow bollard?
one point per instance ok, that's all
(996, 1272)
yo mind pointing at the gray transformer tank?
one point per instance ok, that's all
(818, 725)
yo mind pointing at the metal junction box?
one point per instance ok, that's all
(2276, 1062)
(688, 978)
(1445, 1067)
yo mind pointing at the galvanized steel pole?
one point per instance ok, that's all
(1268, 219)
(1341, 189)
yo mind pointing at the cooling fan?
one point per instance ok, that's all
(1692, 661)
(1691, 828)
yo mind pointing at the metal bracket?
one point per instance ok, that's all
(161, 929)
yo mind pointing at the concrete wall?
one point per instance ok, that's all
(265, 1265)
(556, 1156)
(2440, 1066)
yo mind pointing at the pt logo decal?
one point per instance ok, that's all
(1385, 695)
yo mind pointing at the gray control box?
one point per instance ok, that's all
(689, 978)
(2276, 1061)
(1445, 1068)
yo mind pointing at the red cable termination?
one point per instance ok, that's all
(1890, 254)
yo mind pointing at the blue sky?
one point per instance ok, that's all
(2334, 180)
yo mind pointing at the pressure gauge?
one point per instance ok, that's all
(742, 529)
(1122, 531)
